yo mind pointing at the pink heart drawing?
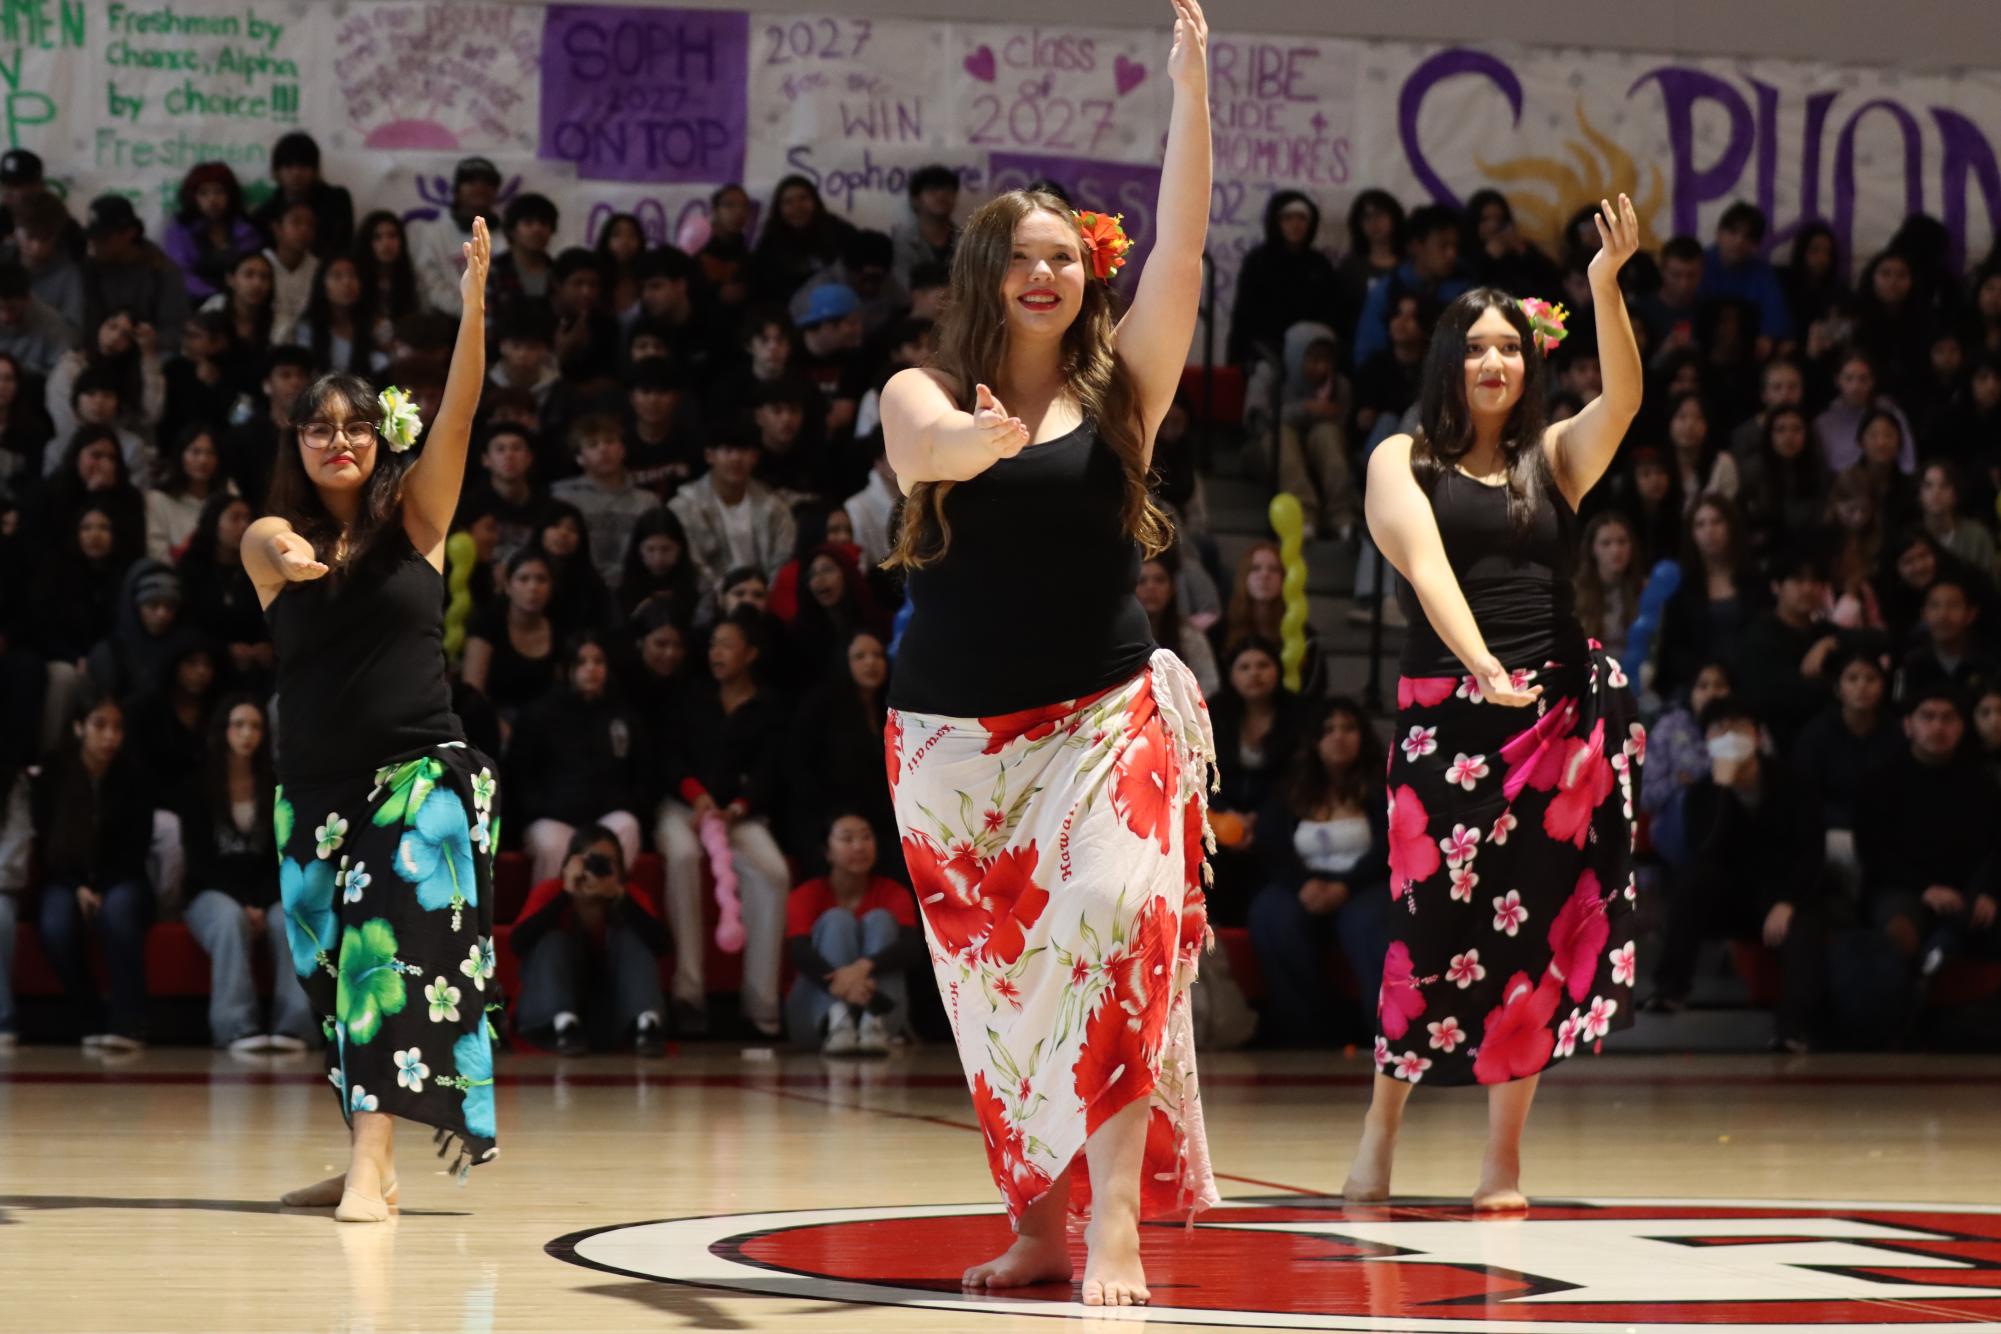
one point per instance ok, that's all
(1126, 75)
(980, 64)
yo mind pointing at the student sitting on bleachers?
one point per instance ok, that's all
(589, 943)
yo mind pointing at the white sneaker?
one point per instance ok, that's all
(92, 1041)
(841, 1037)
(284, 1042)
(253, 1044)
(118, 1042)
(9, 1044)
(873, 1040)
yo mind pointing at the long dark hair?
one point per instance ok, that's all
(294, 498)
(1445, 420)
(202, 543)
(1313, 786)
(174, 472)
(215, 772)
(319, 319)
(972, 344)
(70, 840)
(1358, 239)
(638, 584)
(402, 274)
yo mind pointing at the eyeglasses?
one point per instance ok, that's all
(322, 435)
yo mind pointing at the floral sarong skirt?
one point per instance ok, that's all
(1058, 859)
(1511, 871)
(387, 885)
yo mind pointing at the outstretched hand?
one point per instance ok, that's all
(478, 255)
(1188, 59)
(1618, 236)
(1006, 435)
(295, 558)
(1499, 686)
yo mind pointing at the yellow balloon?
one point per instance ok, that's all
(461, 554)
(1287, 520)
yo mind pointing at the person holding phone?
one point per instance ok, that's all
(589, 944)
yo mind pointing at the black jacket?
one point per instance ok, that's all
(92, 832)
(575, 759)
(1773, 844)
(1920, 825)
(1278, 286)
(731, 756)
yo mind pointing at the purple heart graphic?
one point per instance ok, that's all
(980, 64)
(1127, 75)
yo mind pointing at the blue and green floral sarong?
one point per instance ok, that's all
(387, 882)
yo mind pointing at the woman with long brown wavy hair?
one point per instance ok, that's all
(1048, 762)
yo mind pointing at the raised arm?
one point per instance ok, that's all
(1406, 531)
(1581, 448)
(431, 491)
(1154, 336)
(930, 439)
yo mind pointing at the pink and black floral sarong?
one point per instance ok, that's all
(1058, 859)
(1511, 849)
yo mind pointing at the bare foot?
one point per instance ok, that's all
(1369, 1179)
(326, 1194)
(1031, 1259)
(1112, 1272)
(1500, 1189)
(358, 1208)
(1499, 1199)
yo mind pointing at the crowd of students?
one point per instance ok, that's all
(679, 507)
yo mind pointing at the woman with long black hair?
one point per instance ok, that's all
(385, 815)
(1510, 832)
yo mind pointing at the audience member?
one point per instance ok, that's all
(834, 756)
(1323, 841)
(1170, 628)
(1609, 580)
(511, 648)
(522, 274)
(295, 170)
(210, 230)
(1946, 655)
(731, 518)
(928, 235)
(578, 758)
(798, 239)
(127, 272)
(1783, 655)
(436, 244)
(589, 940)
(1837, 751)
(1754, 872)
(724, 761)
(1259, 724)
(851, 936)
(1929, 843)
(234, 908)
(93, 822)
(612, 505)
(1282, 281)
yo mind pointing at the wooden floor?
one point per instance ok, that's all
(141, 1196)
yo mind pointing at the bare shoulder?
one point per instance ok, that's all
(1390, 458)
(922, 384)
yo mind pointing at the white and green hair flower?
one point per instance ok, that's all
(400, 423)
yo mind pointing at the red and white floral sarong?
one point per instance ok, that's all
(1058, 858)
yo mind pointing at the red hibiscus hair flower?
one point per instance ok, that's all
(1577, 937)
(1106, 241)
(1413, 852)
(1517, 1040)
(1399, 1001)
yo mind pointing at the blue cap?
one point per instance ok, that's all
(830, 301)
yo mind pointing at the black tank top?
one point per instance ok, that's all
(1520, 591)
(361, 667)
(1032, 603)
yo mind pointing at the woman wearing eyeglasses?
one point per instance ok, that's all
(385, 815)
